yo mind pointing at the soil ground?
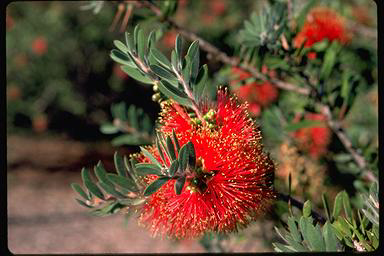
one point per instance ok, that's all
(43, 216)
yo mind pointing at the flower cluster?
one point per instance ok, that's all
(39, 45)
(232, 182)
(321, 23)
(314, 139)
(257, 94)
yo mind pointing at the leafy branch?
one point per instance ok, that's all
(308, 91)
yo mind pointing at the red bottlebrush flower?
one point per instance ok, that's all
(39, 45)
(217, 7)
(13, 92)
(256, 94)
(232, 183)
(9, 22)
(40, 123)
(169, 39)
(321, 23)
(314, 139)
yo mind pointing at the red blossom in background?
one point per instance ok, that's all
(9, 22)
(119, 73)
(321, 23)
(314, 139)
(39, 45)
(169, 39)
(233, 181)
(258, 95)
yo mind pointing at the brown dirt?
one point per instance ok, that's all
(43, 216)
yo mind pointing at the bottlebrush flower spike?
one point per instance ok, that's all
(232, 182)
(258, 95)
(314, 139)
(321, 23)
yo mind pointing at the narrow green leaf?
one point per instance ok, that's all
(329, 238)
(303, 124)
(160, 150)
(347, 205)
(163, 73)
(183, 157)
(174, 59)
(160, 58)
(281, 248)
(143, 169)
(326, 206)
(303, 13)
(128, 42)
(135, 74)
(178, 47)
(179, 184)
(133, 117)
(122, 182)
(109, 189)
(151, 41)
(122, 58)
(173, 93)
(88, 183)
(119, 164)
(136, 36)
(150, 157)
(337, 205)
(109, 128)
(174, 167)
(132, 201)
(101, 174)
(191, 155)
(201, 82)
(119, 45)
(186, 72)
(154, 186)
(307, 208)
(119, 111)
(76, 187)
(194, 55)
(129, 139)
(171, 148)
(329, 61)
(176, 141)
(83, 203)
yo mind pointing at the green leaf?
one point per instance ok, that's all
(151, 40)
(154, 186)
(281, 248)
(160, 150)
(337, 205)
(174, 167)
(347, 205)
(326, 206)
(122, 58)
(307, 208)
(132, 201)
(119, 111)
(293, 229)
(119, 45)
(101, 174)
(146, 169)
(163, 73)
(173, 93)
(88, 183)
(111, 190)
(183, 157)
(315, 238)
(76, 187)
(201, 82)
(128, 42)
(329, 61)
(186, 72)
(171, 148)
(303, 13)
(119, 164)
(135, 74)
(160, 58)
(320, 46)
(150, 157)
(331, 244)
(303, 124)
(122, 182)
(179, 184)
(176, 141)
(194, 55)
(191, 155)
(83, 203)
(174, 58)
(108, 128)
(178, 48)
